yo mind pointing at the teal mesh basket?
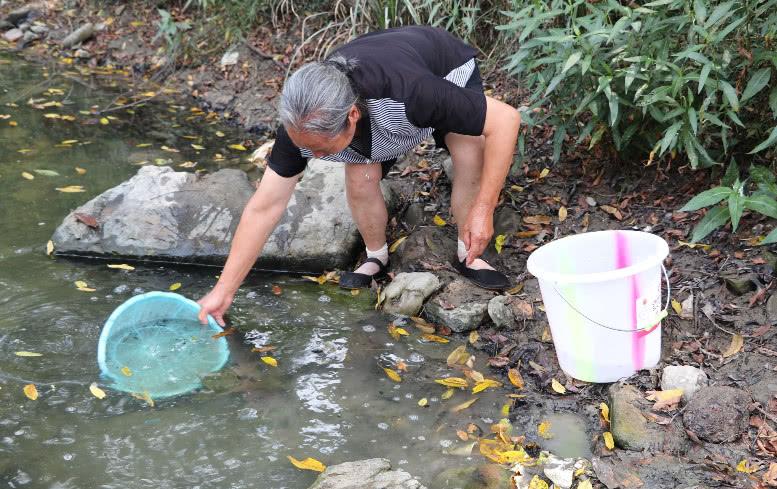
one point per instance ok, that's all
(154, 344)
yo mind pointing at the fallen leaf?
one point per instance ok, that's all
(237, 147)
(464, 405)
(562, 214)
(499, 242)
(544, 173)
(49, 248)
(69, 141)
(737, 342)
(104, 121)
(439, 220)
(515, 290)
(665, 400)
(276, 290)
(263, 349)
(96, 391)
(544, 430)
(46, 173)
(612, 211)
(90, 221)
(423, 402)
(198, 147)
(686, 308)
(401, 366)
(396, 244)
(28, 354)
(28, 176)
(226, 332)
(121, 266)
(526, 234)
(270, 361)
(169, 149)
(515, 378)
(126, 371)
(677, 307)
(586, 484)
(605, 410)
(608, 440)
(745, 467)
(434, 338)
(219, 134)
(80, 170)
(30, 391)
(423, 325)
(473, 337)
(447, 394)
(770, 477)
(537, 219)
(392, 374)
(457, 382)
(536, 482)
(70, 189)
(557, 387)
(485, 384)
(463, 435)
(175, 286)
(80, 284)
(307, 464)
(52, 115)
(458, 356)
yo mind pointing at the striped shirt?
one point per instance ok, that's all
(414, 82)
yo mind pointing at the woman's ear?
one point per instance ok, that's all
(354, 115)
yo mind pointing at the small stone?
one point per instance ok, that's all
(13, 35)
(414, 215)
(229, 58)
(739, 285)
(590, 201)
(82, 54)
(689, 379)
(24, 26)
(505, 310)
(771, 308)
(39, 28)
(560, 470)
(686, 310)
(29, 37)
(718, 414)
(406, 294)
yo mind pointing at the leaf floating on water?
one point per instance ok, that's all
(69, 141)
(126, 371)
(499, 242)
(515, 378)
(226, 332)
(464, 405)
(608, 441)
(536, 482)
(80, 284)
(439, 220)
(143, 145)
(70, 189)
(485, 384)
(49, 248)
(457, 382)
(238, 147)
(458, 356)
(104, 121)
(396, 244)
(737, 342)
(473, 337)
(52, 115)
(421, 324)
(355, 292)
(447, 394)
(423, 402)
(307, 464)
(198, 147)
(434, 338)
(270, 361)
(121, 266)
(175, 286)
(557, 387)
(30, 391)
(145, 396)
(219, 134)
(96, 391)
(544, 430)
(28, 176)
(276, 290)
(28, 354)
(605, 409)
(169, 149)
(392, 374)
(47, 173)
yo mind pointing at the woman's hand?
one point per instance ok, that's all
(478, 230)
(215, 303)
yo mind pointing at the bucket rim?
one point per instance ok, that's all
(661, 252)
(103, 341)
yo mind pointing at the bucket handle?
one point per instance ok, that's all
(644, 330)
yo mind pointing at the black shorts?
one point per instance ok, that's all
(475, 82)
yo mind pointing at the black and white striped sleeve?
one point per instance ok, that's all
(446, 107)
(285, 158)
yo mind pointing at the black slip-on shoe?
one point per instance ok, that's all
(485, 278)
(353, 280)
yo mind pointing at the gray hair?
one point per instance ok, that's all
(318, 97)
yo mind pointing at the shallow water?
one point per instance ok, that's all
(328, 398)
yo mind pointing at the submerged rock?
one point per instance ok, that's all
(374, 473)
(561, 471)
(164, 215)
(718, 414)
(486, 476)
(461, 306)
(685, 377)
(406, 294)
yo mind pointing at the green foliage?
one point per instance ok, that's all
(731, 194)
(666, 77)
(171, 31)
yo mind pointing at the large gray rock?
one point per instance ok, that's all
(461, 306)
(718, 414)
(160, 214)
(685, 377)
(407, 292)
(561, 471)
(374, 473)
(506, 311)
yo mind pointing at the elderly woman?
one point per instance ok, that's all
(373, 100)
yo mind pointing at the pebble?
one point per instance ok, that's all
(718, 414)
(689, 379)
(13, 35)
(590, 201)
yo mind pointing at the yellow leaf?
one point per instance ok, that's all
(458, 356)
(52, 116)
(499, 242)
(608, 441)
(28, 176)
(536, 482)
(270, 361)
(453, 382)
(80, 170)
(402, 331)
(126, 371)
(143, 145)
(485, 384)
(30, 391)
(121, 266)
(586, 484)
(473, 337)
(145, 396)
(68, 118)
(28, 354)
(544, 430)
(69, 141)
(148, 94)
(392, 374)
(464, 405)
(557, 387)
(104, 121)
(434, 338)
(544, 173)
(238, 147)
(744, 466)
(71, 189)
(515, 378)
(198, 147)
(678, 308)
(175, 286)
(605, 409)
(81, 284)
(439, 220)
(505, 409)
(13, 123)
(423, 402)
(737, 342)
(49, 248)
(307, 464)
(355, 292)
(665, 400)
(515, 290)
(396, 244)
(86, 289)
(96, 391)
(447, 394)
(562, 214)
(219, 134)
(516, 456)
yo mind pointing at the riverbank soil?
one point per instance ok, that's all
(718, 431)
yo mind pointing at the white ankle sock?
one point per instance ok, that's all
(477, 264)
(381, 254)
(461, 250)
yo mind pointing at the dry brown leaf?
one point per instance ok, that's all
(392, 374)
(562, 214)
(434, 338)
(537, 220)
(515, 378)
(665, 400)
(457, 382)
(557, 387)
(30, 391)
(464, 405)
(458, 356)
(737, 342)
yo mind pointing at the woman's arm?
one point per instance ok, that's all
(260, 216)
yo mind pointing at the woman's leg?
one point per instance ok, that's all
(368, 208)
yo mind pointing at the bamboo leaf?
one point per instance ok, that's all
(706, 199)
(757, 82)
(769, 141)
(730, 93)
(736, 205)
(762, 204)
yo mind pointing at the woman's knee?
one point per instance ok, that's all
(363, 181)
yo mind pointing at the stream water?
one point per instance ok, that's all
(328, 398)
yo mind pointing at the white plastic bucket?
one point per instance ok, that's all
(602, 296)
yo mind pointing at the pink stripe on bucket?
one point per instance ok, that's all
(623, 260)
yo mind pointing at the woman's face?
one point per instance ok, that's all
(321, 145)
